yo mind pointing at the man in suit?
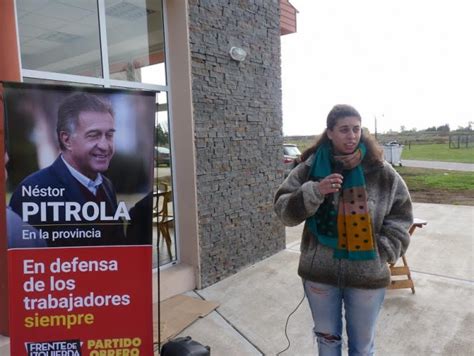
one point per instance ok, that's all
(71, 202)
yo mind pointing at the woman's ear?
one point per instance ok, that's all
(329, 134)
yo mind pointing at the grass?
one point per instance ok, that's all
(302, 142)
(438, 152)
(422, 178)
(429, 185)
(439, 186)
(422, 152)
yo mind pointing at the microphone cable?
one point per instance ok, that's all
(286, 326)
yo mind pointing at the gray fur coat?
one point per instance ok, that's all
(391, 212)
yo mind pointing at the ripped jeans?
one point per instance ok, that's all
(361, 308)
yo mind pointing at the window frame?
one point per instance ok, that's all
(105, 81)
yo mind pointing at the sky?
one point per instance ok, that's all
(400, 63)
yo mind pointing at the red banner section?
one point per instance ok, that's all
(81, 301)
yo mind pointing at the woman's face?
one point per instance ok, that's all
(345, 136)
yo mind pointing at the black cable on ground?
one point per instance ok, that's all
(286, 327)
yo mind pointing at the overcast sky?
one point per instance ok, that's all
(407, 62)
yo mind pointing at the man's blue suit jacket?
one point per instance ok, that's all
(57, 175)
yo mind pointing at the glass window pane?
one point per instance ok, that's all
(136, 41)
(61, 37)
(163, 176)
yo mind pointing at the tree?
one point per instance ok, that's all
(443, 128)
(468, 128)
(161, 136)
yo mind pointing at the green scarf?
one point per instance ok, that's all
(345, 226)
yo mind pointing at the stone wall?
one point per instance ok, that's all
(238, 132)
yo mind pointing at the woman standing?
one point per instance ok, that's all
(357, 212)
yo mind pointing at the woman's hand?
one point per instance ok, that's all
(331, 184)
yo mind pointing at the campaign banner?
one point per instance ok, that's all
(81, 301)
(79, 219)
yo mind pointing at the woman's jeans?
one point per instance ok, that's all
(361, 308)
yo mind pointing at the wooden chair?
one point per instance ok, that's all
(404, 269)
(163, 214)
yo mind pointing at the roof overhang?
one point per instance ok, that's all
(287, 17)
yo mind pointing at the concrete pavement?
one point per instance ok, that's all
(437, 320)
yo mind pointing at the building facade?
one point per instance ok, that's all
(238, 139)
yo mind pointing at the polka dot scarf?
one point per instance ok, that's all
(344, 223)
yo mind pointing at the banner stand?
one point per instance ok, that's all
(4, 322)
(76, 241)
(158, 287)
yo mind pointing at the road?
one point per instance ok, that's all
(451, 166)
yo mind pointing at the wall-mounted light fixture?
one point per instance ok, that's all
(237, 54)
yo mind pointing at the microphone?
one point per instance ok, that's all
(338, 168)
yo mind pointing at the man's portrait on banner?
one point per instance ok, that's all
(80, 162)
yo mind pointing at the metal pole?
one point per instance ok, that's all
(158, 286)
(375, 119)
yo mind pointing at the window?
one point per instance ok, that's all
(60, 37)
(135, 41)
(163, 164)
(108, 43)
(102, 42)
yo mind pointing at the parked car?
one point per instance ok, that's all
(162, 155)
(290, 154)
